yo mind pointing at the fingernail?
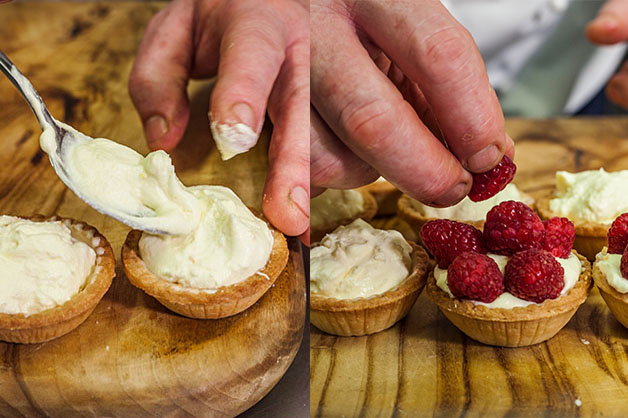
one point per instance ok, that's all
(453, 196)
(243, 113)
(155, 128)
(484, 160)
(301, 198)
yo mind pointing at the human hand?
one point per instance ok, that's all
(390, 82)
(608, 28)
(260, 51)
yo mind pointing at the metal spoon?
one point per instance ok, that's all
(64, 138)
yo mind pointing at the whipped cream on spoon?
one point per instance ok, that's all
(142, 192)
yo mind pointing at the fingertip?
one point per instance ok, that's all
(287, 210)
(603, 30)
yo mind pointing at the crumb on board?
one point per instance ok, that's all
(585, 342)
(578, 402)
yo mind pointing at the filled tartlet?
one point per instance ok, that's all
(386, 195)
(53, 273)
(591, 200)
(225, 265)
(335, 207)
(466, 211)
(363, 280)
(610, 270)
(516, 283)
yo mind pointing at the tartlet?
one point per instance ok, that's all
(386, 195)
(616, 301)
(407, 211)
(516, 327)
(317, 232)
(55, 322)
(590, 236)
(204, 304)
(363, 316)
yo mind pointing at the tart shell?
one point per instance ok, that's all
(386, 195)
(517, 327)
(617, 302)
(55, 322)
(590, 237)
(195, 303)
(363, 316)
(370, 210)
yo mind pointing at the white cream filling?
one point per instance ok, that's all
(594, 195)
(359, 261)
(571, 265)
(609, 266)
(467, 210)
(41, 265)
(232, 140)
(229, 244)
(334, 205)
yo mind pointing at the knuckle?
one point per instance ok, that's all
(371, 122)
(446, 50)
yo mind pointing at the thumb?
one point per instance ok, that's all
(158, 80)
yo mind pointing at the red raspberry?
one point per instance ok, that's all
(447, 239)
(490, 183)
(534, 275)
(475, 276)
(618, 235)
(623, 266)
(559, 236)
(511, 227)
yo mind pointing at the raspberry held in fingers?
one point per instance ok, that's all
(488, 184)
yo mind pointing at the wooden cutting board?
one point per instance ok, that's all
(424, 366)
(132, 357)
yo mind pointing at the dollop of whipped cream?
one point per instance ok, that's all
(594, 195)
(609, 266)
(359, 261)
(232, 140)
(41, 265)
(571, 265)
(467, 210)
(335, 205)
(229, 244)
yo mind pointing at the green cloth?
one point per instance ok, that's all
(543, 86)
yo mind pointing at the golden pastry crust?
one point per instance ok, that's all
(369, 211)
(57, 321)
(407, 212)
(590, 236)
(386, 195)
(352, 317)
(617, 302)
(517, 327)
(195, 303)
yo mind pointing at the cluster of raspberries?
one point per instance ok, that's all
(618, 240)
(511, 229)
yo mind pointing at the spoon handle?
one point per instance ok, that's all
(28, 91)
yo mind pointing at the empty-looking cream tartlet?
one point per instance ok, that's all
(363, 280)
(228, 261)
(334, 208)
(53, 273)
(417, 214)
(591, 200)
